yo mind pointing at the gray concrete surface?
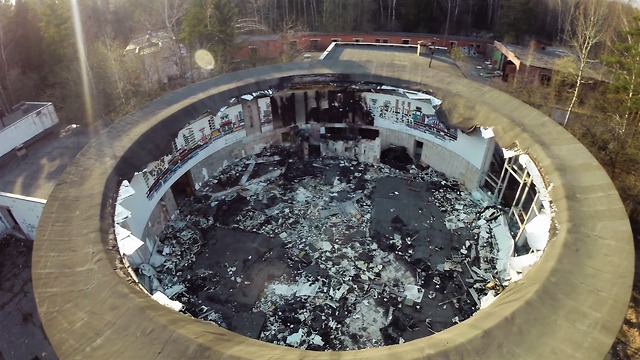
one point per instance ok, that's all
(21, 333)
(394, 54)
(473, 67)
(569, 306)
(36, 173)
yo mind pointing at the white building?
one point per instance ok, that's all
(24, 163)
(161, 55)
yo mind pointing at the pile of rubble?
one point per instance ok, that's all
(329, 254)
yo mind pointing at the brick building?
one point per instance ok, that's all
(273, 46)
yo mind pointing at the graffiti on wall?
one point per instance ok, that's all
(415, 114)
(202, 132)
(379, 109)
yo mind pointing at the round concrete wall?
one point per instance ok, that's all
(569, 305)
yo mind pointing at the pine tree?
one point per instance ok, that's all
(623, 105)
(57, 33)
(62, 69)
(27, 48)
(516, 19)
(211, 25)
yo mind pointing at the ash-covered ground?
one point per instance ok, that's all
(329, 254)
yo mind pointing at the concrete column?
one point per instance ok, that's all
(252, 117)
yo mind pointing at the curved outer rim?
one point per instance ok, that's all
(569, 305)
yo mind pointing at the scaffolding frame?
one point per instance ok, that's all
(519, 210)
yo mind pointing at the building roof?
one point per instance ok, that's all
(382, 34)
(569, 305)
(393, 53)
(547, 58)
(36, 173)
(268, 37)
(20, 111)
(149, 43)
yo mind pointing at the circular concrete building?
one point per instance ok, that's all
(569, 304)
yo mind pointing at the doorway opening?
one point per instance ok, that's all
(183, 188)
(417, 153)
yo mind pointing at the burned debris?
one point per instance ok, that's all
(330, 253)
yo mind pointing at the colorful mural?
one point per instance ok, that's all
(415, 114)
(206, 129)
(389, 111)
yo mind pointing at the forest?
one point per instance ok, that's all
(39, 58)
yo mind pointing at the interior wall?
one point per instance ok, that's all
(140, 205)
(470, 147)
(201, 171)
(367, 151)
(248, 146)
(451, 164)
(160, 216)
(442, 159)
(201, 166)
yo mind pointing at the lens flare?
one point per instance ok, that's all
(84, 65)
(204, 59)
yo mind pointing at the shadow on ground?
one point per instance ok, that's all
(36, 173)
(627, 344)
(21, 334)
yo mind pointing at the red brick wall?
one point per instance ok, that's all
(272, 48)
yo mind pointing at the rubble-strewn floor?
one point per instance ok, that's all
(328, 254)
(21, 333)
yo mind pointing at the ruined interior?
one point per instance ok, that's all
(354, 217)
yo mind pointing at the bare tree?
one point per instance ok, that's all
(314, 13)
(493, 8)
(469, 14)
(455, 13)
(5, 45)
(446, 30)
(304, 11)
(249, 24)
(490, 12)
(588, 26)
(560, 16)
(570, 7)
(115, 71)
(393, 16)
(174, 10)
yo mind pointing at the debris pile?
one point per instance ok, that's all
(331, 253)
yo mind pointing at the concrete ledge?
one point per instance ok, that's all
(569, 306)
